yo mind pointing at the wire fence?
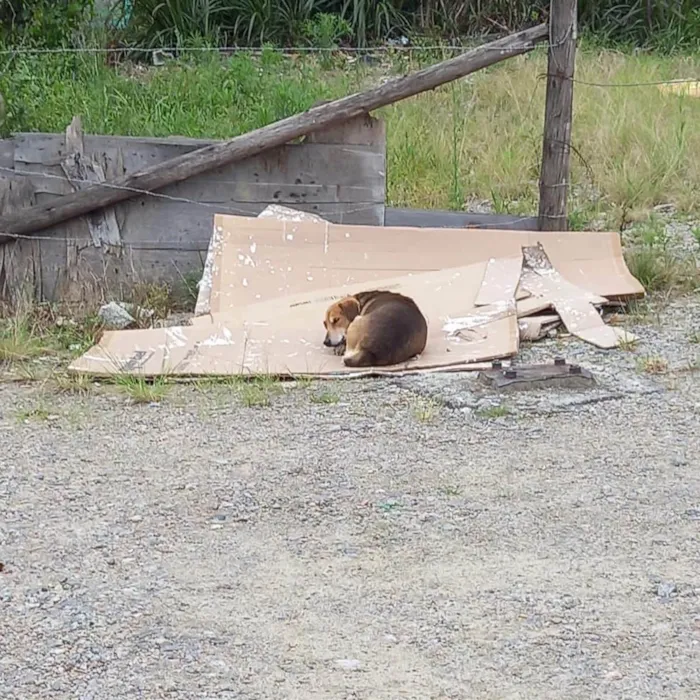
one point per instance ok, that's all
(226, 208)
(210, 206)
(173, 51)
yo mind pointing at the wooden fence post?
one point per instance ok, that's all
(556, 145)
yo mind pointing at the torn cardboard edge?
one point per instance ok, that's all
(268, 281)
(573, 305)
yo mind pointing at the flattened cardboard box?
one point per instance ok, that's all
(257, 259)
(285, 336)
(268, 281)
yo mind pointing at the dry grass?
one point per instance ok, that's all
(635, 147)
(653, 364)
(20, 340)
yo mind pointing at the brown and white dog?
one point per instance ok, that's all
(375, 329)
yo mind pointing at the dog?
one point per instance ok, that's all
(375, 329)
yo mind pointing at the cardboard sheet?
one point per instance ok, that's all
(284, 336)
(256, 259)
(268, 281)
(575, 306)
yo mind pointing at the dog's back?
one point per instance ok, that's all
(389, 330)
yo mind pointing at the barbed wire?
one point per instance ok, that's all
(273, 49)
(19, 51)
(649, 83)
(385, 48)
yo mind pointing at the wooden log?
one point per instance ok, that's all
(556, 144)
(276, 134)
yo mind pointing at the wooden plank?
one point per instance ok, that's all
(7, 153)
(82, 169)
(296, 169)
(426, 218)
(556, 145)
(20, 260)
(364, 130)
(201, 160)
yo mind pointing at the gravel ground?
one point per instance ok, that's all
(414, 538)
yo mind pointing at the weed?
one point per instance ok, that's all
(425, 410)
(74, 336)
(141, 390)
(628, 344)
(653, 364)
(19, 340)
(74, 383)
(258, 391)
(657, 270)
(451, 490)
(694, 337)
(325, 396)
(36, 413)
(154, 297)
(492, 412)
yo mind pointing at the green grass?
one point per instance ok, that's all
(492, 412)
(324, 396)
(20, 340)
(141, 390)
(479, 138)
(258, 391)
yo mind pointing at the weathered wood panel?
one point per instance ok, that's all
(340, 174)
(426, 218)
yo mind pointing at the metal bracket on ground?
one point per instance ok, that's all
(559, 375)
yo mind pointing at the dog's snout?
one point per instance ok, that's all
(327, 341)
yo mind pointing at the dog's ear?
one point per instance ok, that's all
(350, 307)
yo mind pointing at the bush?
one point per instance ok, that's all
(665, 24)
(43, 23)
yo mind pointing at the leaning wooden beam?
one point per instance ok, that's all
(196, 162)
(556, 144)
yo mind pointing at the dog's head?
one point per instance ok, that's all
(338, 317)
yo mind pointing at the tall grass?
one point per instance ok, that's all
(479, 138)
(666, 24)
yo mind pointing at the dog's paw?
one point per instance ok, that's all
(339, 349)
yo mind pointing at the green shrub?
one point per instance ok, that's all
(43, 23)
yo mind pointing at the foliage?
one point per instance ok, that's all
(665, 24)
(45, 23)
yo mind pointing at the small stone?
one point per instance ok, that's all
(613, 675)
(348, 664)
(115, 317)
(693, 513)
(136, 518)
(666, 590)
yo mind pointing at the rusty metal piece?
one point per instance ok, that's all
(544, 376)
(496, 364)
(559, 361)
